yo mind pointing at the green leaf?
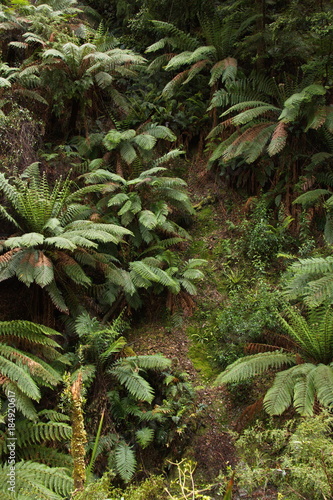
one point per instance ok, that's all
(125, 461)
(144, 436)
(27, 240)
(145, 141)
(256, 364)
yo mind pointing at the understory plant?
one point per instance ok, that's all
(311, 280)
(146, 401)
(246, 318)
(306, 346)
(55, 242)
(148, 207)
(296, 460)
(30, 359)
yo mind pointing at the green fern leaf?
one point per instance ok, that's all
(125, 461)
(149, 362)
(136, 385)
(279, 397)
(144, 436)
(311, 196)
(27, 240)
(145, 141)
(304, 390)
(323, 382)
(250, 366)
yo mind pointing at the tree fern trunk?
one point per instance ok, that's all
(260, 28)
(72, 123)
(119, 167)
(42, 309)
(79, 436)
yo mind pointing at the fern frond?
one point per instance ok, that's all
(308, 198)
(181, 40)
(34, 480)
(288, 385)
(304, 390)
(144, 436)
(125, 461)
(149, 362)
(195, 69)
(225, 69)
(279, 397)
(20, 378)
(323, 382)
(29, 433)
(250, 366)
(278, 140)
(171, 87)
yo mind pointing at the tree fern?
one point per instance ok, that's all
(264, 114)
(52, 231)
(313, 356)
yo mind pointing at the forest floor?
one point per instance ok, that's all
(211, 445)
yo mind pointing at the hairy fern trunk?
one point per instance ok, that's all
(73, 119)
(42, 309)
(79, 436)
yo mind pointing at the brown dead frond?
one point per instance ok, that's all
(251, 133)
(199, 64)
(280, 131)
(282, 340)
(248, 414)
(183, 301)
(250, 204)
(6, 257)
(308, 183)
(180, 77)
(254, 348)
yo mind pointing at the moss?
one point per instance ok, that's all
(199, 249)
(202, 361)
(205, 219)
(99, 490)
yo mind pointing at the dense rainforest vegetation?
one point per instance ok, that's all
(166, 263)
